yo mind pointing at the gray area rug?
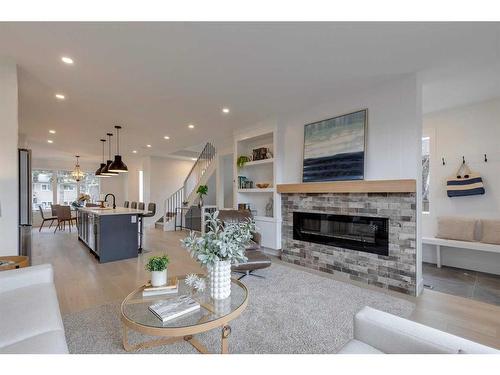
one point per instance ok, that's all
(291, 311)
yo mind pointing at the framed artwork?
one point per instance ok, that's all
(334, 149)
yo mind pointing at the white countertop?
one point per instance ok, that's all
(111, 211)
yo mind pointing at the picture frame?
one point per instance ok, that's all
(335, 148)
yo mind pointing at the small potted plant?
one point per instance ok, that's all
(242, 160)
(158, 267)
(220, 246)
(202, 190)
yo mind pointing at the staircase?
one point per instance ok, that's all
(198, 175)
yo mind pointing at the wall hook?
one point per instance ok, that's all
(463, 160)
(443, 161)
(485, 158)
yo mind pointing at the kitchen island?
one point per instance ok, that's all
(109, 233)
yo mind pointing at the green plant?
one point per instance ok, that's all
(158, 263)
(202, 190)
(220, 242)
(242, 160)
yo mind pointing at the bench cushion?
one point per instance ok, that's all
(490, 231)
(456, 228)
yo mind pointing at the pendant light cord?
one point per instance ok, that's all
(103, 141)
(109, 144)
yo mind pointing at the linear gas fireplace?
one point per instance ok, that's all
(367, 234)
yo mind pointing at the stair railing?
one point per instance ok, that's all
(199, 168)
(171, 204)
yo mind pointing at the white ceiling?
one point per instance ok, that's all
(155, 78)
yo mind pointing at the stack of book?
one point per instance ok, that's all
(174, 308)
(171, 287)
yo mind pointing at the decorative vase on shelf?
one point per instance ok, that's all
(219, 276)
(158, 278)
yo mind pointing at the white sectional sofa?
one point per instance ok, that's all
(377, 332)
(30, 320)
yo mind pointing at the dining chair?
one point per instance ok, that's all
(63, 216)
(126, 204)
(44, 219)
(53, 209)
(133, 205)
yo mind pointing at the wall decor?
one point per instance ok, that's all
(334, 149)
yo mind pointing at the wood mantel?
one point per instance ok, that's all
(358, 186)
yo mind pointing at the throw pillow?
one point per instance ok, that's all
(456, 228)
(490, 231)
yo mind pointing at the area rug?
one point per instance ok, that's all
(290, 311)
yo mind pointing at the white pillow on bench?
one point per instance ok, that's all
(490, 231)
(456, 228)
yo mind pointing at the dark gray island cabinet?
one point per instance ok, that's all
(110, 234)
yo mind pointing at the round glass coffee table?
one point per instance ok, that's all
(212, 314)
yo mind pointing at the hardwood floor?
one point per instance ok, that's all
(82, 282)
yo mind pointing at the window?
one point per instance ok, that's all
(425, 173)
(42, 188)
(89, 184)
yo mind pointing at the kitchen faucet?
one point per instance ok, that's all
(114, 199)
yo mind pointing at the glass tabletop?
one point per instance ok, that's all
(136, 307)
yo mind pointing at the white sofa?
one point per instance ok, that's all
(377, 332)
(30, 320)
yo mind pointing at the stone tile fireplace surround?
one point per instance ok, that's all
(397, 271)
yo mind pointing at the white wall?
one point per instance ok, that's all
(8, 159)
(470, 131)
(393, 136)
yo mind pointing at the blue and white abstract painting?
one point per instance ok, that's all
(334, 149)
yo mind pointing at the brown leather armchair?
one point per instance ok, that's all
(256, 259)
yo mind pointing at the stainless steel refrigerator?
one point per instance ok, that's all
(25, 202)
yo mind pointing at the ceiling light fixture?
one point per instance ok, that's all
(118, 165)
(134, 151)
(67, 60)
(60, 96)
(98, 173)
(225, 110)
(50, 141)
(105, 170)
(77, 173)
(191, 126)
(52, 131)
(148, 146)
(193, 159)
(166, 137)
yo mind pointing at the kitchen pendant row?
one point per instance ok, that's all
(111, 167)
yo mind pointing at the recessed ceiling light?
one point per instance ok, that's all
(52, 131)
(148, 146)
(166, 137)
(225, 110)
(134, 151)
(193, 159)
(67, 60)
(191, 126)
(50, 141)
(60, 96)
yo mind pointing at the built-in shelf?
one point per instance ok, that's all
(360, 186)
(258, 162)
(257, 190)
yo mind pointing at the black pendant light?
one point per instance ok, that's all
(118, 165)
(103, 164)
(105, 170)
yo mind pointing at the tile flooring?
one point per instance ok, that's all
(475, 285)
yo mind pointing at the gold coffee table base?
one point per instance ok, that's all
(226, 331)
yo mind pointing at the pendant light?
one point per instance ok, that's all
(77, 173)
(105, 170)
(118, 165)
(103, 164)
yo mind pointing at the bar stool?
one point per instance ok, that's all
(151, 213)
(126, 204)
(140, 206)
(133, 205)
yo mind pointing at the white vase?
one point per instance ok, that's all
(219, 276)
(158, 278)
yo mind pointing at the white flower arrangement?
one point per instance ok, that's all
(220, 242)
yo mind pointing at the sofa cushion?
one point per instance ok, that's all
(456, 228)
(490, 231)
(52, 342)
(358, 347)
(28, 312)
